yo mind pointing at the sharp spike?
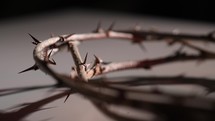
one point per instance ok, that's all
(85, 58)
(34, 67)
(49, 55)
(36, 41)
(52, 61)
(111, 26)
(61, 38)
(48, 58)
(97, 60)
(67, 97)
(98, 28)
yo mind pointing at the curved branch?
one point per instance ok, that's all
(160, 104)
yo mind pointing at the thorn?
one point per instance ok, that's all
(84, 62)
(36, 41)
(97, 59)
(50, 54)
(52, 61)
(202, 51)
(48, 58)
(98, 28)
(85, 58)
(34, 67)
(111, 26)
(67, 97)
(61, 39)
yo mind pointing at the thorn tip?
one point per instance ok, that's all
(36, 41)
(34, 67)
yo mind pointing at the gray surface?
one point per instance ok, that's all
(16, 55)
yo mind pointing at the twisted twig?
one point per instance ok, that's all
(52, 45)
(139, 100)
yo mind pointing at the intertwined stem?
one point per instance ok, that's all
(139, 100)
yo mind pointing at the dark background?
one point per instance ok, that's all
(198, 10)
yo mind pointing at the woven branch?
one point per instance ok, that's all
(163, 106)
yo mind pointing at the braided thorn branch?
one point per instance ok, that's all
(53, 44)
(159, 104)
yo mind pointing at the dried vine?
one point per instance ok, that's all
(162, 106)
